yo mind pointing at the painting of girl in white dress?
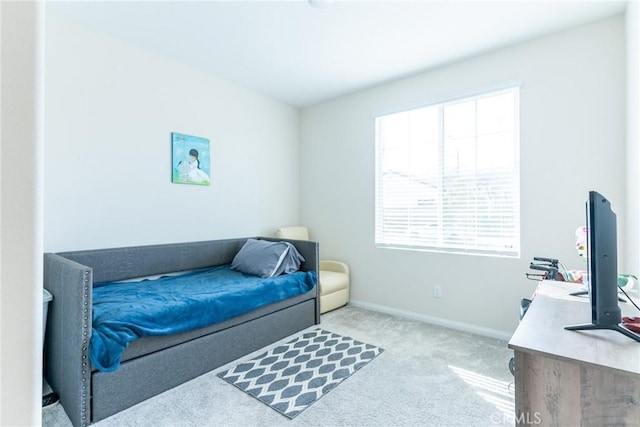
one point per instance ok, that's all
(190, 160)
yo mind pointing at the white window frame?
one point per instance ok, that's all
(513, 252)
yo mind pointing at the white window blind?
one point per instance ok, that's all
(447, 176)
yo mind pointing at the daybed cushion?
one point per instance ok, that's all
(267, 259)
(123, 312)
(148, 345)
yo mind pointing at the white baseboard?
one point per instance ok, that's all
(452, 324)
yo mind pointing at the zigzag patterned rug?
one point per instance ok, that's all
(292, 376)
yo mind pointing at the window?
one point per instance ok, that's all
(447, 176)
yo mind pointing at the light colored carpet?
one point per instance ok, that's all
(427, 376)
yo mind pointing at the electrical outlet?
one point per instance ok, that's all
(437, 291)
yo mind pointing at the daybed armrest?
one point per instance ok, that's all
(67, 365)
(337, 266)
(309, 250)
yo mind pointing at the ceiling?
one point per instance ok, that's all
(302, 55)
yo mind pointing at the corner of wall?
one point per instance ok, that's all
(22, 68)
(631, 263)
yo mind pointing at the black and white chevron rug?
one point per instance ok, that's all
(290, 377)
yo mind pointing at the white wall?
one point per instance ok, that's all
(572, 140)
(111, 109)
(633, 137)
(22, 36)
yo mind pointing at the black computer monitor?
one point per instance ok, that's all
(602, 258)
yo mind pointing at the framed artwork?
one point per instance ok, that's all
(190, 159)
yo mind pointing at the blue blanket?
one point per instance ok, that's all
(123, 312)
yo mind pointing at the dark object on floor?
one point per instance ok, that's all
(50, 400)
(524, 306)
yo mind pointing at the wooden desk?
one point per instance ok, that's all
(573, 378)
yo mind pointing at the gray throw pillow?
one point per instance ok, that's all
(291, 262)
(261, 258)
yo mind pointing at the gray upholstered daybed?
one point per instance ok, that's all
(151, 365)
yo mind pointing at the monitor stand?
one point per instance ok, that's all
(581, 293)
(592, 327)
